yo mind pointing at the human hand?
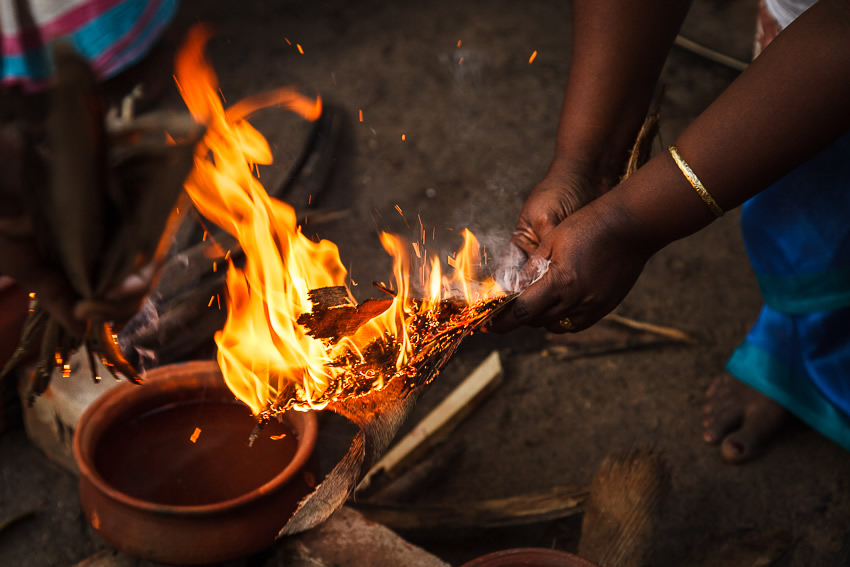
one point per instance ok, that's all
(595, 256)
(561, 193)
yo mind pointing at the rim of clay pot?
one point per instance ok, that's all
(91, 428)
(529, 556)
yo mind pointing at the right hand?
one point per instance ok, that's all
(592, 260)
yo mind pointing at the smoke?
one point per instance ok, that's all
(516, 271)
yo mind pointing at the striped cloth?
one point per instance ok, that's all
(111, 34)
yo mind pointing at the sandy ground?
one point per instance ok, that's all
(478, 135)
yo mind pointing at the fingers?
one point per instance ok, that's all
(525, 238)
(531, 228)
(547, 302)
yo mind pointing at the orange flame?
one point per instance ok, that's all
(264, 354)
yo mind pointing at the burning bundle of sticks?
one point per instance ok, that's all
(434, 334)
(294, 337)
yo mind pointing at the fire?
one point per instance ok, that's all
(267, 358)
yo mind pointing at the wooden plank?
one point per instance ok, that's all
(442, 420)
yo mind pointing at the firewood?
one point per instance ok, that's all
(670, 333)
(710, 54)
(379, 415)
(177, 328)
(555, 504)
(188, 268)
(109, 207)
(439, 422)
(335, 313)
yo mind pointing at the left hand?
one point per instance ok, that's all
(595, 255)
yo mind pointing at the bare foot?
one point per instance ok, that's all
(740, 419)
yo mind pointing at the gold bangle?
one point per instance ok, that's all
(695, 182)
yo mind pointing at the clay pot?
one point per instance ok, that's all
(529, 557)
(152, 491)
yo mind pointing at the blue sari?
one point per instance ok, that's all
(797, 234)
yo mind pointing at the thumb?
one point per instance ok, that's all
(537, 298)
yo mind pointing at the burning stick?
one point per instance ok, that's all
(380, 414)
(434, 334)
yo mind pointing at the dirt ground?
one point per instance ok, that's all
(478, 135)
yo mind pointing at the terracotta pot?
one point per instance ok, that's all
(529, 557)
(154, 488)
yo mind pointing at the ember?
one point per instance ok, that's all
(286, 343)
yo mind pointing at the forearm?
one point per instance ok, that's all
(618, 51)
(791, 103)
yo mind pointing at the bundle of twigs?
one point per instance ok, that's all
(433, 336)
(107, 210)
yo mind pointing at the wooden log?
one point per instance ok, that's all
(440, 422)
(347, 538)
(525, 509)
(188, 268)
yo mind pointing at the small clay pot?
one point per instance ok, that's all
(529, 557)
(152, 491)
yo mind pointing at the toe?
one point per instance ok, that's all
(763, 419)
(738, 447)
(718, 424)
(716, 385)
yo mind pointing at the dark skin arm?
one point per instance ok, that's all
(618, 51)
(791, 103)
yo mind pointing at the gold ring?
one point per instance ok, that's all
(566, 323)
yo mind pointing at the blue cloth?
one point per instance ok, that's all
(797, 234)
